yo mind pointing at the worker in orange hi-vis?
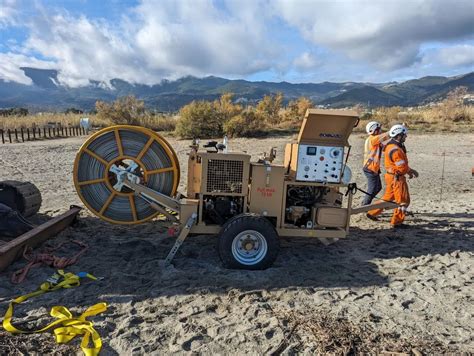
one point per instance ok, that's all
(372, 156)
(396, 166)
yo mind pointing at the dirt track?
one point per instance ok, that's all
(415, 285)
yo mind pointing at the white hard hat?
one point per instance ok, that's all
(397, 130)
(372, 126)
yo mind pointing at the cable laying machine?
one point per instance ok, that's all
(129, 175)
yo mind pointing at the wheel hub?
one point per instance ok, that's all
(249, 247)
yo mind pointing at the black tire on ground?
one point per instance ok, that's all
(23, 197)
(248, 241)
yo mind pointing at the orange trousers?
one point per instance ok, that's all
(396, 189)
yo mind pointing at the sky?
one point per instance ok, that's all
(299, 41)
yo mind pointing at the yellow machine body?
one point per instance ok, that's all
(129, 175)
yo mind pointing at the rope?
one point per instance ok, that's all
(353, 188)
(48, 259)
(66, 327)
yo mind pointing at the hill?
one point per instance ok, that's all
(47, 94)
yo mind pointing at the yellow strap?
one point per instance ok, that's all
(66, 326)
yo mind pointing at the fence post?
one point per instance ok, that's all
(3, 138)
(28, 133)
(34, 133)
(16, 136)
(44, 132)
(10, 135)
(62, 131)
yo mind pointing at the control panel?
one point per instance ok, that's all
(319, 163)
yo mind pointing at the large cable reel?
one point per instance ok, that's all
(115, 149)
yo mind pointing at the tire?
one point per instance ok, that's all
(248, 241)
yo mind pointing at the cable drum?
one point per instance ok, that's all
(138, 150)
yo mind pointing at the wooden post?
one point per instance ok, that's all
(44, 132)
(3, 137)
(34, 133)
(62, 131)
(10, 135)
(49, 132)
(28, 133)
(70, 134)
(16, 136)
(22, 136)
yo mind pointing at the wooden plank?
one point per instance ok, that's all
(13, 249)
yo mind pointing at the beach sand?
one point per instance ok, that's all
(403, 291)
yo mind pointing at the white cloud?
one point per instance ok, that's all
(387, 34)
(10, 64)
(157, 39)
(160, 39)
(184, 37)
(307, 61)
(461, 55)
(8, 12)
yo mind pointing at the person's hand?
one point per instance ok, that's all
(413, 174)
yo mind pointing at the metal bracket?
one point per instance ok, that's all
(181, 237)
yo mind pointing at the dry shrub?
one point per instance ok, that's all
(269, 108)
(159, 122)
(246, 124)
(199, 119)
(125, 110)
(293, 114)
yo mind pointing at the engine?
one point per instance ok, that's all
(219, 209)
(302, 202)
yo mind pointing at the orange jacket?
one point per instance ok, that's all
(373, 151)
(396, 160)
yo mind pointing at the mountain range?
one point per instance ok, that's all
(47, 94)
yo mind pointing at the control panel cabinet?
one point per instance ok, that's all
(319, 163)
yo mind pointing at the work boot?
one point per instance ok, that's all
(399, 226)
(372, 217)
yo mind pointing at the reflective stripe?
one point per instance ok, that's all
(399, 163)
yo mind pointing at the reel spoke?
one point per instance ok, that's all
(92, 181)
(133, 207)
(159, 170)
(145, 148)
(97, 157)
(107, 203)
(119, 142)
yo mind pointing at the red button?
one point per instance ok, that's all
(321, 158)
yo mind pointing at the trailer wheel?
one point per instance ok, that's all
(248, 241)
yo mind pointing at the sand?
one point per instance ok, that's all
(409, 290)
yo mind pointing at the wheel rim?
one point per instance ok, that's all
(249, 247)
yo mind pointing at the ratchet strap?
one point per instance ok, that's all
(67, 326)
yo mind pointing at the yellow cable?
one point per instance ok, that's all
(66, 327)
